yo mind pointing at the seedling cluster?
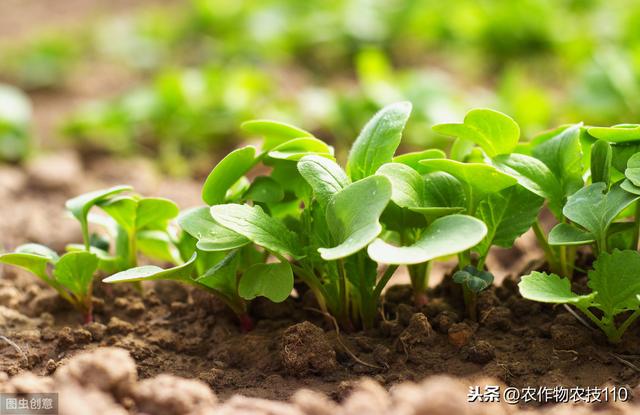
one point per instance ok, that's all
(343, 231)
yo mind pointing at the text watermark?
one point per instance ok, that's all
(28, 403)
(546, 394)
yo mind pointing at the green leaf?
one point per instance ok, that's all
(353, 216)
(616, 279)
(135, 213)
(533, 175)
(593, 208)
(633, 169)
(264, 189)
(226, 173)
(562, 153)
(299, 147)
(444, 194)
(413, 159)
(157, 245)
(324, 176)
(545, 288)
(601, 155)
(37, 249)
(274, 132)
(621, 133)
(123, 210)
(273, 281)
(211, 236)
(79, 206)
(151, 273)
(445, 236)
(75, 270)
(566, 234)
(260, 228)
(155, 213)
(507, 214)
(378, 140)
(479, 179)
(407, 185)
(222, 276)
(33, 258)
(495, 132)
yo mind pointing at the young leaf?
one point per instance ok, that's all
(324, 176)
(260, 228)
(155, 212)
(274, 132)
(615, 278)
(273, 281)
(299, 147)
(566, 234)
(211, 236)
(79, 206)
(445, 236)
(31, 257)
(594, 208)
(562, 153)
(407, 185)
(222, 276)
(495, 132)
(228, 171)
(621, 133)
(545, 288)
(75, 270)
(378, 140)
(479, 179)
(413, 159)
(507, 214)
(533, 175)
(601, 162)
(444, 194)
(264, 189)
(353, 216)
(151, 273)
(632, 171)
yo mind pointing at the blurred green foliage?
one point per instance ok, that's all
(328, 64)
(15, 124)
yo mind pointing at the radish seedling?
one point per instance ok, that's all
(71, 274)
(615, 290)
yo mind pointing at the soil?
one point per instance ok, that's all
(172, 329)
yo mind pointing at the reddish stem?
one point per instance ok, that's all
(246, 323)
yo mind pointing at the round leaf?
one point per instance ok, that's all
(273, 281)
(445, 236)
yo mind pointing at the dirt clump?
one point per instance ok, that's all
(171, 395)
(305, 349)
(107, 369)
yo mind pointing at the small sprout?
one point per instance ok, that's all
(473, 282)
(71, 275)
(615, 286)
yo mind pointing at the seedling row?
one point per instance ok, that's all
(288, 213)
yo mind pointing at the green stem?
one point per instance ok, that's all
(544, 244)
(636, 227)
(344, 298)
(384, 279)
(624, 326)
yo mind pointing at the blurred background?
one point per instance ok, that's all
(171, 80)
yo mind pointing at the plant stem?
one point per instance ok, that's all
(470, 302)
(344, 298)
(544, 244)
(419, 274)
(624, 326)
(382, 282)
(636, 227)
